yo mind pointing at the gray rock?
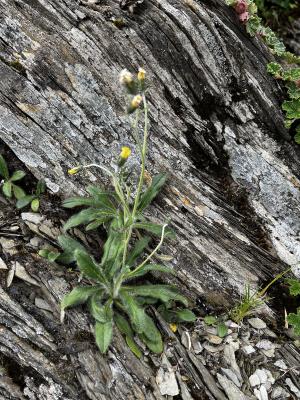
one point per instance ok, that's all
(214, 339)
(9, 246)
(2, 264)
(232, 376)
(21, 273)
(279, 393)
(248, 349)
(43, 304)
(232, 391)
(261, 393)
(35, 218)
(261, 376)
(281, 364)
(166, 379)
(293, 387)
(257, 323)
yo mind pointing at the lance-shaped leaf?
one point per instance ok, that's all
(101, 313)
(79, 295)
(79, 201)
(125, 328)
(69, 245)
(40, 187)
(156, 229)
(17, 175)
(3, 168)
(164, 293)
(103, 335)
(134, 311)
(185, 315)
(7, 189)
(156, 346)
(149, 268)
(86, 216)
(156, 185)
(102, 198)
(88, 266)
(139, 246)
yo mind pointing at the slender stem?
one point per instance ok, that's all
(263, 291)
(141, 181)
(151, 254)
(99, 166)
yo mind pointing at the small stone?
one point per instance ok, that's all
(231, 324)
(261, 376)
(280, 393)
(35, 218)
(186, 340)
(267, 347)
(197, 346)
(214, 339)
(257, 323)
(9, 246)
(270, 333)
(261, 393)
(232, 376)
(213, 349)
(293, 387)
(248, 349)
(2, 264)
(21, 273)
(280, 364)
(166, 379)
(43, 304)
(254, 380)
(232, 391)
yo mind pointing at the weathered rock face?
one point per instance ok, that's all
(216, 127)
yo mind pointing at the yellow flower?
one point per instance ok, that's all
(74, 170)
(136, 101)
(173, 327)
(125, 153)
(125, 77)
(141, 74)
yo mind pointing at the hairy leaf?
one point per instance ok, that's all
(40, 187)
(156, 229)
(88, 266)
(137, 250)
(3, 168)
(7, 189)
(156, 185)
(222, 330)
(86, 216)
(155, 346)
(150, 268)
(210, 320)
(133, 346)
(17, 175)
(103, 335)
(185, 315)
(101, 313)
(69, 245)
(79, 295)
(123, 325)
(35, 205)
(163, 292)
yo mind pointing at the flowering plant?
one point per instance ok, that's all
(115, 298)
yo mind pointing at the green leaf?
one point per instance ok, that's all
(297, 136)
(222, 329)
(98, 222)
(40, 187)
(294, 286)
(134, 311)
(275, 69)
(35, 205)
(18, 192)
(3, 168)
(86, 216)
(210, 320)
(185, 315)
(253, 25)
(123, 325)
(155, 346)
(156, 185)
(17, 175)
(292, 109)
(103, 335)
(53, 256)
(149, 268)
(88, 267)
(156, 229)
(294, 320)
(137, 250)
(292, 74)
(164, 293)
(101, 313)
(293, 90)
(102, 198)
(69, 245)
(24, 201)
(7, 189)
(79, 295)
(79, 201)
(133, 346)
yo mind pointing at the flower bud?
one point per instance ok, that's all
(241, 6)
(125, 77)
(136, 101)
(244, 17)
(74, 170)
(125, 152)
(141, 74)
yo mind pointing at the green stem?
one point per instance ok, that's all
(263, 291)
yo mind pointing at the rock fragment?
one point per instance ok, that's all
(257, 323)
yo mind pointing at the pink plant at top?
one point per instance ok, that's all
(244, 17)
(241, 7)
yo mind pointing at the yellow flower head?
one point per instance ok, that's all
(125, 77)
(173, 327)
(141, 74)
(74, 170)
(125, 153)
(136, 101)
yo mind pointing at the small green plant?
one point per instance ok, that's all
(291, 78)
(251, 302)
(33, 199)
(9, 187)
(115, 297)
(292, 318)
(218, 323)
(247, 11)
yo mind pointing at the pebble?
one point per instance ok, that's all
(186, 340)
(166, 379)
(213, 349)
(261, 376)
(257, 323)
(292, 387)
(280, 393)
(280, 364)
(43, 304)
(232, 391)
(9, 246)
(214, 339)
(248, 349)
(35, 218)
(232, 376)
(267, 347)
(2, 264)
(197, 346)
(261, 393)
(21, 273)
